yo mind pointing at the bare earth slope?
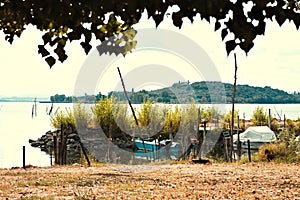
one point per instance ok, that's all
(178, 181)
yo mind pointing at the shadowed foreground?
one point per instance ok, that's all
(178, 181)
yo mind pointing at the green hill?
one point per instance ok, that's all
(211, 92)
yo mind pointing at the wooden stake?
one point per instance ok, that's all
(24, 163)
(232, 111)
(249, 152)
(132, 110)
(125, 92)
(85, 153)
(269, 118)
(239, 142)
(55, 148)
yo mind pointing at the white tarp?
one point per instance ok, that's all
(257, 134)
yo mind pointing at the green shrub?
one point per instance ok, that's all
(78, 117)
(285, 149)
(66, 119)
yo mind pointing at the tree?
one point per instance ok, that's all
(58, 98)
(172, 122)
(227, 119)
(210, 113)
(67, 20)
(259, 117)
(150, 118)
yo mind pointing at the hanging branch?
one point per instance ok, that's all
(232, 111)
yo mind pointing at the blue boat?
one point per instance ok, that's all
(155, 149)
(147, 145)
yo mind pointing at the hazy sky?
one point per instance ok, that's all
(274, 61)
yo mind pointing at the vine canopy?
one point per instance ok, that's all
(111, 22)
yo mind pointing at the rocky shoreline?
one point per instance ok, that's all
(46, 144)
(93, 141)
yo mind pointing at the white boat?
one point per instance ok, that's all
(257, 135)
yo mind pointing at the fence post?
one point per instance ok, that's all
(55, 149)
(60, 146)
(24, 166)
(239, 146)
(249, 152)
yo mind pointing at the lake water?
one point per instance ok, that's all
(17, 126)
(291, 111)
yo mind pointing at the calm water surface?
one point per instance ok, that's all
(17, 126)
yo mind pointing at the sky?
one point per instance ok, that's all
(273, 61)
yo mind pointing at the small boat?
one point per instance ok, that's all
(148, 145)
(257, 135)
(167, 148)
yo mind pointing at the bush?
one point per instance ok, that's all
(66, 119)
(79, 117)
(286, 149)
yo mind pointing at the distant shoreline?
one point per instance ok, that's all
(27, 101)
(203, 93)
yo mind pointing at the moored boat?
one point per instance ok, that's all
(165, 148)
(257, 135)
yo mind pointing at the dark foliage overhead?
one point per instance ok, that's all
(63, 21)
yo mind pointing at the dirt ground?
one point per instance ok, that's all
(154, 181)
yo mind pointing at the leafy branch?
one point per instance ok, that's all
(64, 21)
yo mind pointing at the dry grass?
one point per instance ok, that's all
(176, 181)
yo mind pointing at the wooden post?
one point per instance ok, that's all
(32, 111)
(244, 121)
(204, 129)
(170, 131)
(226, 136)
(24, 165)
(55, 148)
(64, 145)
(230, 149)
(232, 111)
(132, 110)
(133, 144)
(63, 132)
(249, 152)
(226, 148)
(125, 92)
(198, 134)
(50, 152)
(238, 136)
(145, 150)
(60, 146)
(153, 151)
(269, 118)
(85, 153)
(35, 107)
(284, 121)
(158, 150)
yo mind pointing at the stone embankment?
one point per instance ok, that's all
(93, 141)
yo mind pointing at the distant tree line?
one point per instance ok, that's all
(200, 92)
(62, 98)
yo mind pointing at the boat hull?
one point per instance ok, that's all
(155, 150)
(146, 145)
